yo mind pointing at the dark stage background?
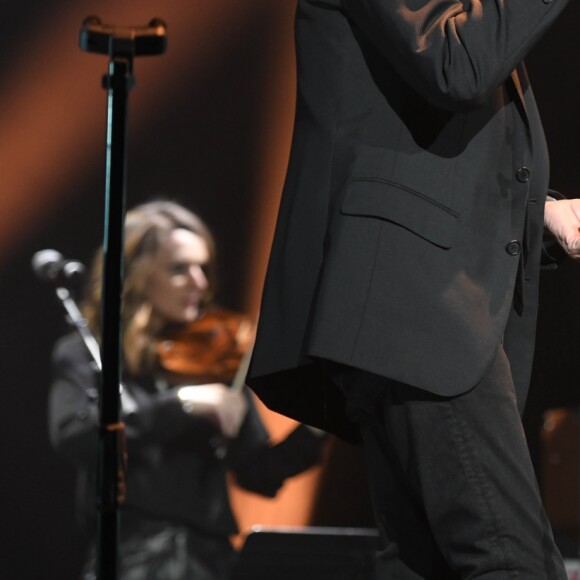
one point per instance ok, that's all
(210, 124)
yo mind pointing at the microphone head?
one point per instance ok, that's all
(47, 264)
(73, 269)
(50, 266)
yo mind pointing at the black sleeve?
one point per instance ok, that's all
(454, 53)
(161, 419)
(73, 413)
(261, 467)
(73, 402)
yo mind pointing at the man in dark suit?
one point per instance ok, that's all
(401, 295)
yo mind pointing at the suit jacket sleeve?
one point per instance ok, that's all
(261, 466)
(454, 53)
(73, 410)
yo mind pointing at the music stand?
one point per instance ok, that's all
(309, 553)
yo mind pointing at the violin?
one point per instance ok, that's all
(210, 349)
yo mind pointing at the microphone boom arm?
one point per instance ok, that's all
(79, 322)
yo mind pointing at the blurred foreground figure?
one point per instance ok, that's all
(401, 296)
(185, 426)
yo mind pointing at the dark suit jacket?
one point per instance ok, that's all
(413, 204)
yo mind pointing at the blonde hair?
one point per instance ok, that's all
(147, 226)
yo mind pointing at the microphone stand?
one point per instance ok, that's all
(121, 45)
(79, 322)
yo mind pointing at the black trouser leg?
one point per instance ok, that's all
(453, 487)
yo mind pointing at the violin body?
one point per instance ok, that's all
(207, 350)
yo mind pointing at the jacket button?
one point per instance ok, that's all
(513, 248)
(92, 393)
(523, 174)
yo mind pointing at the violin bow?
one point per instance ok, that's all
(240, 376)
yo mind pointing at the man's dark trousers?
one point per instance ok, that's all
(456, 469)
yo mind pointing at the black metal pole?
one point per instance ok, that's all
(121, 44)
(118, 83)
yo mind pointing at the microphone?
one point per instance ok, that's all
(50, 266)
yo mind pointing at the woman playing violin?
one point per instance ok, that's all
(186, 427)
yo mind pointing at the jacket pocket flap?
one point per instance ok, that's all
(410, 209)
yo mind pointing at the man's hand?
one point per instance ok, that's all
(562, 219)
